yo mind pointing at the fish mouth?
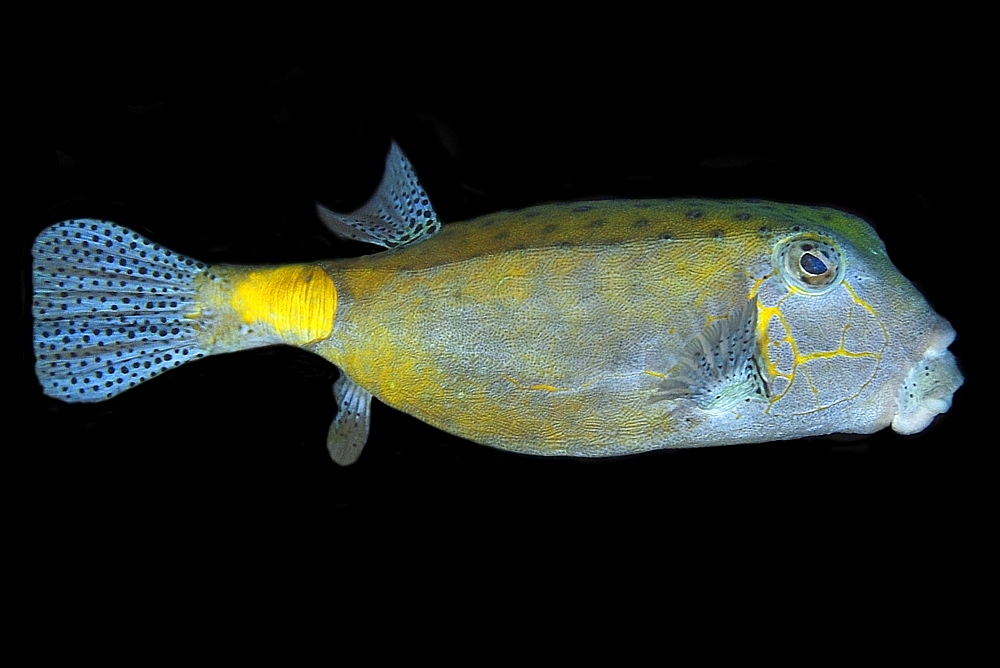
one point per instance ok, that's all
(929, 385)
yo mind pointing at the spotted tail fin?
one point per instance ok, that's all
(111, 309)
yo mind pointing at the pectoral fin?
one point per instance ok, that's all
(721, 367)
(397, 214)
(349, 431)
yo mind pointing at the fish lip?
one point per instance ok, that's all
(929, 385)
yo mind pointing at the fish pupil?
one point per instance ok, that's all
(812, 264)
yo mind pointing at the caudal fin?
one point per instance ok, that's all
(111, 309)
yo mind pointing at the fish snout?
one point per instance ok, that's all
(929, 385)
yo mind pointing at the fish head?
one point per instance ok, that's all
(846, 341)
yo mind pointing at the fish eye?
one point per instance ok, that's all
(811, 264)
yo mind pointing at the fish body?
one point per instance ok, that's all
(585, 329)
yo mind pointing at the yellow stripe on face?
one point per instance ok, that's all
(298, 301)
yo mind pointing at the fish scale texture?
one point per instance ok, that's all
(111, 309)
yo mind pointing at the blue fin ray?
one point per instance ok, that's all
(349, 430)
(111, 309)
(721, 367)
(399, 212)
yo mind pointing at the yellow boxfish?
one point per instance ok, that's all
(584, 329)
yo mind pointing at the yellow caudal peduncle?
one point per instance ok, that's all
(297, 301)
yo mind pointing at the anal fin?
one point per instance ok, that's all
(349, 430)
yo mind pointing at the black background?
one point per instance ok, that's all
(222, 158)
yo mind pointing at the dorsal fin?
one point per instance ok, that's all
(399, 212)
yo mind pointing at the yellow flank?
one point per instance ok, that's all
(542, 334)
(297, 301)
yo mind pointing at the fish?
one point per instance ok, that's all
(581, 329)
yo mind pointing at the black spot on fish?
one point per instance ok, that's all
(582, 208)
(594, 224)
(742, 216)
(640, 223)
(549, 229)
(764, 231)
(695, 214)
(666, 236)
(717, 234)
